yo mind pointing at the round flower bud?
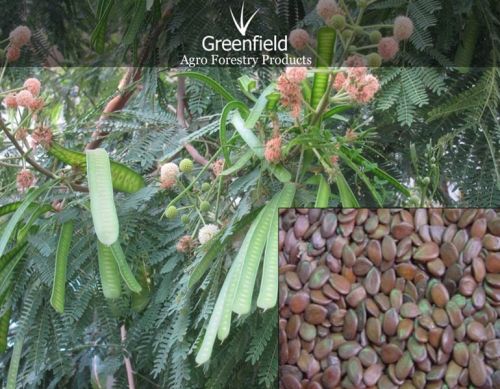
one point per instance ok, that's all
(204, 206)
(403, 28)
(375, 36)
(13, 53)
(298, 38)
(388, 48)
(272, 152)
(426, 180)
(185, 244)
(186, 166)
(10, 100)
(185, 219)
(169, 170)
(205, 187)
(362, 3)
(373, 60)
(338, 22)
(347, 34)
(171, 212)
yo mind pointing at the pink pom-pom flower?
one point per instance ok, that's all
(298, 38)
(403, 28)
(296, 74)
(218, 167)
(20, 36)
(13, 53)
(25, 180)
(328, 8)
(24, 99)
(33, 85)
(388, 47)
(10, 100)
(272, 152)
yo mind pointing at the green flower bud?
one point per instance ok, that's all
(347, 34)
(375, 36)
(204, 206)
(186, 166)
(373, 60)
(205, 187)
(338, 22)
(185, 219)
(426, 180)
(171, 212)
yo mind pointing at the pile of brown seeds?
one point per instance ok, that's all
(389, 298)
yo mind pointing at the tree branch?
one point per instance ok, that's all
(128, 364)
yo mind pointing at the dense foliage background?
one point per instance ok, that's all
(427, 121)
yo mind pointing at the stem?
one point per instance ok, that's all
(128, 363)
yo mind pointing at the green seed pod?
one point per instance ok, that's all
(358, 30)
(375, 36)
(338, 22)
(373, 60)
(185, 219)
(186, 166)
(347, 34)
(171, 212)
(205, 187)
(204, 206)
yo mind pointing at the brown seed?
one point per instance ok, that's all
(472, 249)
(454, 314)
(290, 382)
(494, 226)
(493, 263)
(315, 314)
(319, 277)
(362, 266)
(349, 349)
(476, 331)
(467, 217)
(294, 349)
(350, 325)
(461, 354)
(368, 356)
(467, 285)
(401, 230)
(372, 281)
(388, 281)
(404, 366)
(479, 227)
(440, 317)
(405, 328)
(292, 326)
(478, 269)
(390, 353)
(323, 348)
(374, 252)
(356, 296)
(406, 270)
(492, 349)
(436, 267)
(301, 226)
(348, 256)
(340, 283)
(299, 302)
(374, 330)
(388, 248)
(331, 376)
(437, 372)
(427, 252)
(371, 224)
(292, 280)
(409, 310)
(449, 253)
(307, 332)
(328, 225)
(355, 371)
(372, 375)
(417, 351)
(491, 242)
(439, 295)
(390, 323)
(447, 340)
(318, 297)
(477, 370)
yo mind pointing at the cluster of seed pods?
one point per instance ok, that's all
(389, 298)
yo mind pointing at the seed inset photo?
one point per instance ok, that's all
(389, 298)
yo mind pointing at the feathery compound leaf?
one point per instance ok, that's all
(102, 204)
(214, 85)
(59, 285)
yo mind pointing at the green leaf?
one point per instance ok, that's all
(242, 161)
(258, 108)
(9, 229)
(247, 135)
(224, 142)
(98, 36)
(347, 197)
(280, 172)
(214, 85)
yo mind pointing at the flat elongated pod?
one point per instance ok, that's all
(102, 203)
(124, 268)
(109, 273)
(59, 284)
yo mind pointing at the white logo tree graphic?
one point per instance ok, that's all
(241, 26)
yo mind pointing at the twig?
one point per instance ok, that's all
(128, 364)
